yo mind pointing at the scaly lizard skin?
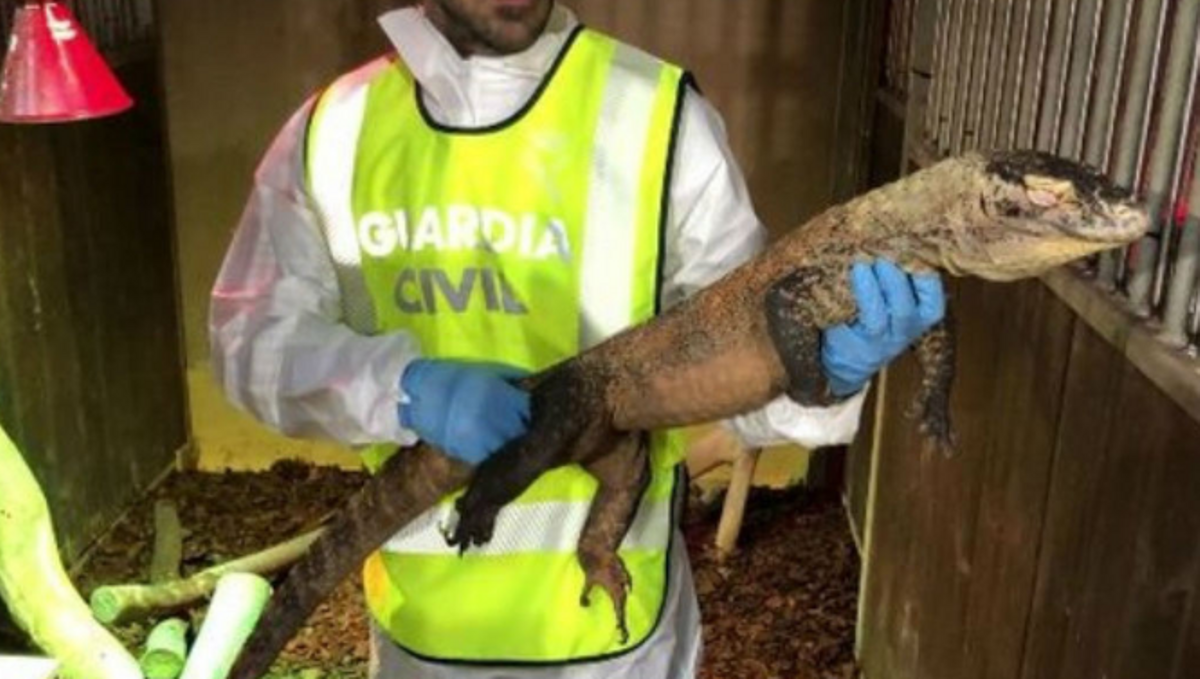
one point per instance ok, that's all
(728, 350)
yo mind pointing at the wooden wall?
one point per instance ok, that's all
(234, 71)
(770, 68)
(1064, 539)
(90, 371)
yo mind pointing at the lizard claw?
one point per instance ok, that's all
(941, 438)
(934, 424)
(476, 522)
(610, 575)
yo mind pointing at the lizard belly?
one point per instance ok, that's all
(726, 384)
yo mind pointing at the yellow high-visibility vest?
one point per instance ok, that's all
(524, 242)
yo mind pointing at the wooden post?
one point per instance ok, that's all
(735, 501)
(715, 448)
(168, 543)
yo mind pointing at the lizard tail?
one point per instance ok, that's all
(409, 483)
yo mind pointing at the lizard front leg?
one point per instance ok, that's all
(935, 353)
(568, 425)
(797, 307)
(623, 475)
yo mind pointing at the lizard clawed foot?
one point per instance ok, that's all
(941, 438)
(608, 572)
(934, 425)
(476, 521)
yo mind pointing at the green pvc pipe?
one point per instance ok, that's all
(166, 650)
(231, 617)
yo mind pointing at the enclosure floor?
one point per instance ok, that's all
(783, 606)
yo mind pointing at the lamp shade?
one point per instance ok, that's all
(53, 73)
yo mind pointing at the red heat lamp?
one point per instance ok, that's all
(53, 73)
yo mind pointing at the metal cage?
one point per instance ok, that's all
(113, 25)
(1108, 82)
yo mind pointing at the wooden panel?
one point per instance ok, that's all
(1022, 429)
(1109, 560)
(887, 141)
(889, 602)
(858, 470)
(27, 200)
(90, 371)
(1167, 546)
(1090, 408)
(919, 564)
(951, 489)
(954, 539)
(1052, 547)
(1189, 655)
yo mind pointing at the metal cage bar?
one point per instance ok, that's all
(1058, 62)
(1181, 294)
(1110, 60)
(1133, 118)
(953, 50)
(1140, 78)
(998, 72)
(1116, 23)
(1164, 158)
(981, 75)
(1178, 99)
(938, 68)
(1007, 120)
(962, 92)
(1180, 91)
(1076, 103)
(1035, 65)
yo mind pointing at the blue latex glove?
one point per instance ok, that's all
(894, 310)
(468, 410)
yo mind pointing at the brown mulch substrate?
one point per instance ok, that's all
(782, 606)
(225, 516)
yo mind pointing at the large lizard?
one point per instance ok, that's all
(729, 349)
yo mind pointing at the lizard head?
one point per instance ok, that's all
(1040, 211)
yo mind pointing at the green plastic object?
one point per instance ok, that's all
(35, 587)
(166, 650)
(24, 667)
(235, 609)
(120, 603)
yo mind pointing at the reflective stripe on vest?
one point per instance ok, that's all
(525, 242)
